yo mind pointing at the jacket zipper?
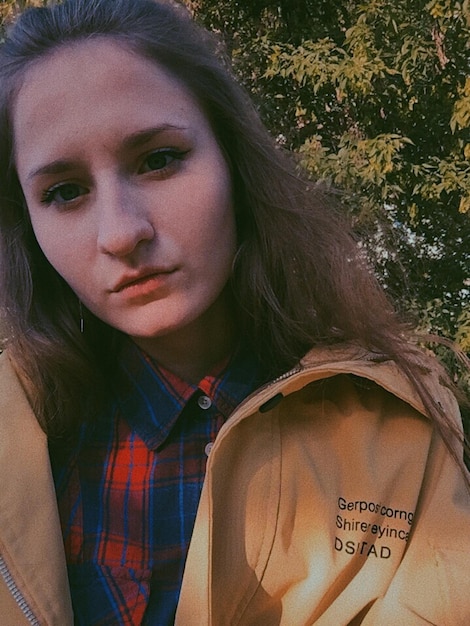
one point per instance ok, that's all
(291, 372)
(17, 595)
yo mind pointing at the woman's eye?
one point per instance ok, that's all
(63, 193)
(160, 160)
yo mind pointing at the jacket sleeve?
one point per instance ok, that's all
(432, 584)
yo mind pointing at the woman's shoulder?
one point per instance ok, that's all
(9, 377)
(378, 367)
(9, 380)
(15, 405)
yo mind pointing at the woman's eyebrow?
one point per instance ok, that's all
(130, 142)
(141, 137)
(55, 167)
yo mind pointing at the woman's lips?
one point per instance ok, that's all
(128, 280)
(143, 286)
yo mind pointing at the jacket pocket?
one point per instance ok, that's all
(431, 591)
(439, 591)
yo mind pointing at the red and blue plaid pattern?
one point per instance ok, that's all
(129, 492)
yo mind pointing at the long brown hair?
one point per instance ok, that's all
(299, 278)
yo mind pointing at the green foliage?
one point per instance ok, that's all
(376, 97)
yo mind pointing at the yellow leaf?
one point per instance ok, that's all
(464, 206)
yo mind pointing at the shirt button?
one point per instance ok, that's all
(208, 448)
(204, 402)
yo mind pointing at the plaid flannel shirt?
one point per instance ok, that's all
(128, 493)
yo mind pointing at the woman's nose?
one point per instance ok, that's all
(123, 221)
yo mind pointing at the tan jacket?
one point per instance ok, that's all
(332, 504)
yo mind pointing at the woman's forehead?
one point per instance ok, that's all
(98, 87)
(105, 59)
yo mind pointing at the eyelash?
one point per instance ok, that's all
(48, 195)
(175, 155)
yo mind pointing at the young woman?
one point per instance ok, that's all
(184, 315)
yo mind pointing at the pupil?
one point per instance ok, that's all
(156, 161)
(68, 192)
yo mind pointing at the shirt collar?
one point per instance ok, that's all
(151, 398)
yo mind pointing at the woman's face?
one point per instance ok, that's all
(128, 192)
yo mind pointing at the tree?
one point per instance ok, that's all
(375, 95)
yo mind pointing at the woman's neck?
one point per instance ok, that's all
(192, 351)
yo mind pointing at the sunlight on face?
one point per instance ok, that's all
(128, 191)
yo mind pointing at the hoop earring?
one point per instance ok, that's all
(82, 321)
